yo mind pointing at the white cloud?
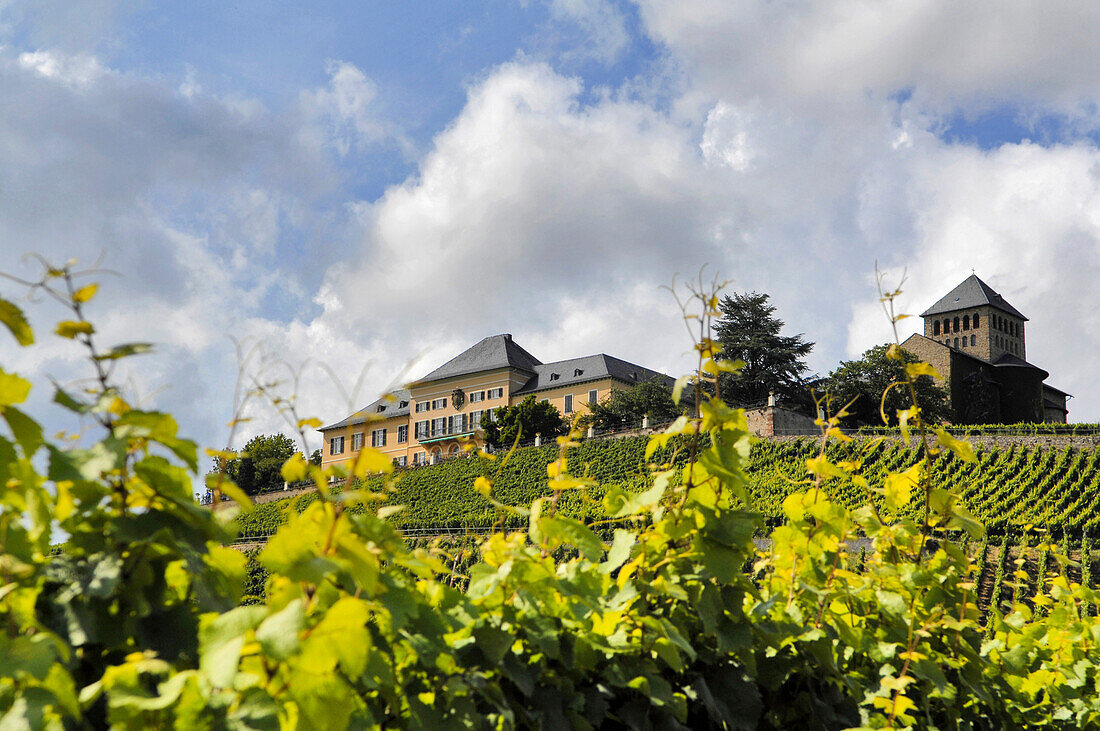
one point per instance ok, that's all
(601, 23)
(1027, 220)
(346, 110)
(836, 51)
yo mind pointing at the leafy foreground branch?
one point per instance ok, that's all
(678, 622)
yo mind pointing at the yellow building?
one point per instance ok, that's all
(435, 416)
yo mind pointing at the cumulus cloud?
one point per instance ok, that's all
(837, 51)
(1027, 220)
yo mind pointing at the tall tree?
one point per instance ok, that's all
(749, 331)
(524, 420)
(259, 464)
(867, 378)
(626, 408)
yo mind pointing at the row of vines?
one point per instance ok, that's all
(1057, 489)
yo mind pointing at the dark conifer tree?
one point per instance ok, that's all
(749, 331)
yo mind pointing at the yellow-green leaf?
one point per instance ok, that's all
(85, 293)
(70, 328)
(13, 389)
(915, 370)
(294, 469)
(963, 449)
(13, 319)
(898, 487)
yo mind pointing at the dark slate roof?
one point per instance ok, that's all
(972, 292)
(396, 403)
(496, 351)
(1008, 359)
(591, 368)
(1048, 387)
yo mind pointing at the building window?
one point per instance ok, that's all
(402, 434)
(555, 376)
(475, 420)
(422, 406)
(437, 455)
(336, 445)
(936, 327)
(593, 396)
(955, 325)
(420, 458)
(493, 393)
(956, 342)
(458, 423)
(439, 403)
(400, 461)
(476, 396)
(964, 340)
(421, 429)
(439, 426)
(975, 322)
(356, 442)
(378, 438)
(569, 403)
(973, 340)
(966, 322)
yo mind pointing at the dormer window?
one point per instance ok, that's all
(403, 404)
(554, 376)
(634, 375)
(578, 372)
(381, 409)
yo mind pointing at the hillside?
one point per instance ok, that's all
(1007, 489)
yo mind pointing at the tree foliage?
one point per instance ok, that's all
(523, 421)
(866, 380)
(625, 408)
(134, 622)
(749, 331)
(257, 465)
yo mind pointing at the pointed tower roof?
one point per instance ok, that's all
(972, 292)
(496, 351)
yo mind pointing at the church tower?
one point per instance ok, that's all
(977, 320)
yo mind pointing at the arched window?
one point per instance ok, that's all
(964, 341)
(966, 322)
(946, 325)
(437, 455)
(936, 327)
(973, 340)
(997, 322)
(1016, 329)
(956, 342)
(955, 325)
(975, 321)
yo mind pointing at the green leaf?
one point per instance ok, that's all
(574, 533)
(27, 431)
(620, 549)
(898, 487)
(962, 449)
(341, 636)
(13, 319)
(125, 351)
(221, 639)
(278, 634)
(229, 489)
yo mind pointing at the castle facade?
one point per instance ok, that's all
(976, 340)
(434, 417)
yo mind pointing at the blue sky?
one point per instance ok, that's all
(366, 184)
